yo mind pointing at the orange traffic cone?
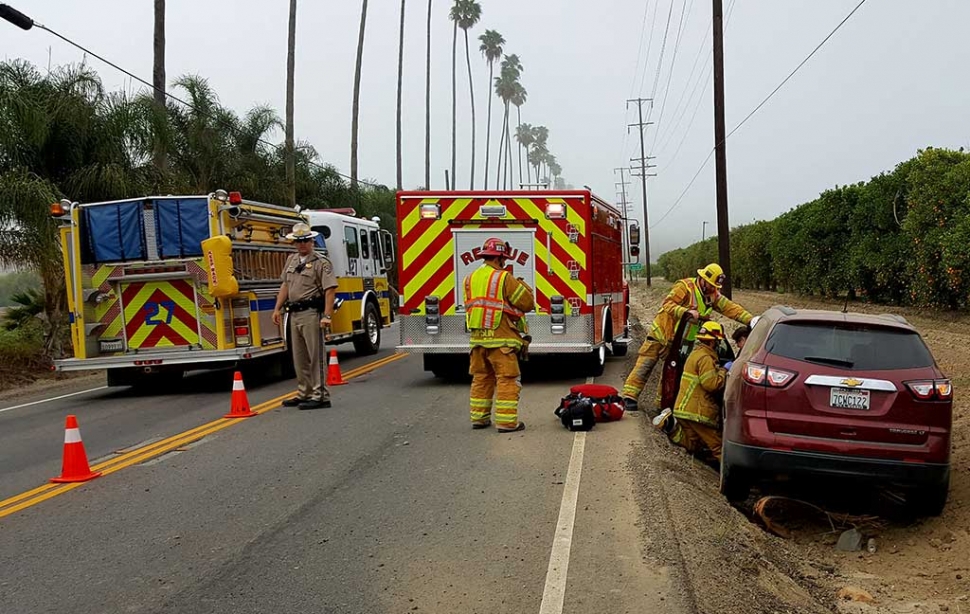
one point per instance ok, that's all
(240, 402)
(74, 467)
(334, 378)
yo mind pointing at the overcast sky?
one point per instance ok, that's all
(891, 81)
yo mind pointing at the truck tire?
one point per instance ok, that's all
(619, 349)
(596, 361)
(369, 342)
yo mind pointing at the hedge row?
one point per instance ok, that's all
(903, 238)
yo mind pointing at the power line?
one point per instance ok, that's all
(183, 102)
(643, 31)
(646, 58)
(755, 110)
(685, 12)
(663, 49)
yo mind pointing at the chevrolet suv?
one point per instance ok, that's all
(832, 394)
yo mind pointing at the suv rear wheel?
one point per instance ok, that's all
(929, 500)
(734, 485)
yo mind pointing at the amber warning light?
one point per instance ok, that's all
(60, 208)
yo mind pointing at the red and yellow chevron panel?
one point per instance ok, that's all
(427, 246)
(160, 314)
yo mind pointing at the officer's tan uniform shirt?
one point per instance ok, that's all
(317, 276)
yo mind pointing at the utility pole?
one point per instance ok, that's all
(703, 231)
(641, 125)
(720, 145)
(625, 209)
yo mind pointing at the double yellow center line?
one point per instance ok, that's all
(147, 452)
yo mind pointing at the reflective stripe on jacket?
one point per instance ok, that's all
(495, 306)
(702, 378)
(684, 296)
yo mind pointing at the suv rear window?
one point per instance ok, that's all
(848, 346)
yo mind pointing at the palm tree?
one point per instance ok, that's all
(454, 14)
(491, 48)
(524, 136)
(400, 85)
(354, 124)
(518, 99)
(158, 73)
(470, 13)
(511, 71)
(427, 108)
(290, 68)
(504, 89)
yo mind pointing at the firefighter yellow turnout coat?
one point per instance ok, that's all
(699, 384)
(686, 295)
(495, 307)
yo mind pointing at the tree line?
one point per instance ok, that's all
(901, 238)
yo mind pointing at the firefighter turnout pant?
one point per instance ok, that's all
(651, 352)
(696, 438)
(308, 355)
(495, 373)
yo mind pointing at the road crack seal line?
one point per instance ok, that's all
(40, 494)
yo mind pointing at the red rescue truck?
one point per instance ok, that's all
(567, 245)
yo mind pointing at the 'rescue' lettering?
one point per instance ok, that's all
(516, 256)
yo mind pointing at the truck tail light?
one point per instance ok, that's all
(430, 211)
(556, 211)
(931, 390)
(432, 315)
(772, 377)
(557, 317)
(240, 322)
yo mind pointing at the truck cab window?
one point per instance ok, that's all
(364, 252)
(350, 238)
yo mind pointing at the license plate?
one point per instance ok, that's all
(844, 398)
(112, 345)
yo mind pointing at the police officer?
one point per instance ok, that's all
(307, 294)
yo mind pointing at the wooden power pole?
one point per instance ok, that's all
(720, 157)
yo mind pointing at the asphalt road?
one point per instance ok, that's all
(388, 502)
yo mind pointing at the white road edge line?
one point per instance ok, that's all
(554, 593)
(63, 396)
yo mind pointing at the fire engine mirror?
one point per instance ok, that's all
(634, 235)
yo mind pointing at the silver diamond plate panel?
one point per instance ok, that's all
(453, 338)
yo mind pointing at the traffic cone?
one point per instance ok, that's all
(240, 402)
(74, 467)
(334, 378)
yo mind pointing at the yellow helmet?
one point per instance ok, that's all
(712, 274)
(710, 331)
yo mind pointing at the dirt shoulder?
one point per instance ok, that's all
(733, 565)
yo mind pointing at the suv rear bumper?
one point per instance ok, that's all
(757, 461)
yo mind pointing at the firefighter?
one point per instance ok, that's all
(697, 296)
(694, 422)
(495, 307)
(307, 294)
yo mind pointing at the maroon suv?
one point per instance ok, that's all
(826, 393)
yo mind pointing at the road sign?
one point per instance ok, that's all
(636, 266)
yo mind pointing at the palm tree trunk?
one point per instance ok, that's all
(158, 76)
(400, 86)
(499, 154)
(290, 66)
(354, 124)
(509, 173)
(518, 111)
(488, 123)
(454, 104)
(471, 92)
(427, 109)
(528, 165)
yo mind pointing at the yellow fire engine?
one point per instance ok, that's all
(163, 284)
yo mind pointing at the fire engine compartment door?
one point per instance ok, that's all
(468, 242)
(160, 314)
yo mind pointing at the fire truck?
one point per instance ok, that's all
(567, 245)
(159, 285)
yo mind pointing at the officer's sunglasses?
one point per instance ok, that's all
(306, 240)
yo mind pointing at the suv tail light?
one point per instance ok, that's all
(760, 375)
(931, 390)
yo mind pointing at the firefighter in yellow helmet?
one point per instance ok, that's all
(697, 296)
(495, 307)
(694, 422)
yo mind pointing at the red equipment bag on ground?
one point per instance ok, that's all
(607, 404)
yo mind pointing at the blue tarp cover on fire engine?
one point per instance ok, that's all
(115, 231)
(182, 224)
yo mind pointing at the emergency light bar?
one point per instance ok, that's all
(431, 211)
(556, 211)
